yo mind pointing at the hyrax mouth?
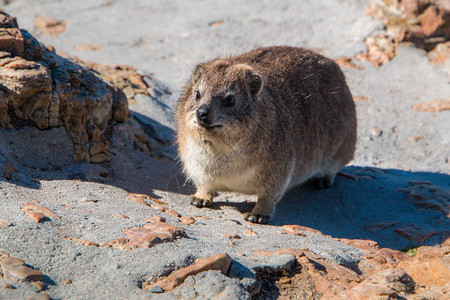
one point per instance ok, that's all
(203, 126)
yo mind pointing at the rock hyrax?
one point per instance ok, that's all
(263, 122)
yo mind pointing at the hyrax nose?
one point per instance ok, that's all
(202, 113)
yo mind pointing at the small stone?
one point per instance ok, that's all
(249, 232)
(362, 99)
(415, 138)
(298, 230)
(87, 47)
(437, 105)
(154, 219)
(122, 216)
(346, 62)
(66, 281)
(8, 286)
(82, 242)
(35, 216)
(186, 220)
(375, 132)
(219, 262)
(32, 206)
(172, 212)
(156, 289)
(361, 244)
(232, 236)
(15, 268)
(137, 199)
(5, 223)
(40, 296)
(38, 284)
(99, 158)
(49, 25)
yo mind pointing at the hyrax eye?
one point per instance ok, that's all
(229, 101)
(197, 96)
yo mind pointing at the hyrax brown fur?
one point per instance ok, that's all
(263, 122)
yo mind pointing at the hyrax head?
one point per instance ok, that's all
(221, 96)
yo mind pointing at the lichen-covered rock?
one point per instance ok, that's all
(41, 88)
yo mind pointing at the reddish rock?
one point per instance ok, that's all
(38, 284)
(88, 47)
(35, 216)
(172, 212)
(49, 25)
(249, 232)
(5, 223)
(365, 99)
(433, 105)
(15, 269)
(136, 198)
(232, 236)
(414, 233)
(440, 53)
(381, 259)
(147, 236)
(362, 244)
(82, 242)
(431, 19)
(186, 220)
(380, 225)
(122, 216)
(392, 283)
(299, 230)
(154, 219)
(40, 209)
(66, 281)
(8, 286)
(381, 49)
(219, 262)
(430, 266)
(158, 207)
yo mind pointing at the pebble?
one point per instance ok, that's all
(249, 232)
(66, 281)
(8, 286)
(5, 223)
(156, 289)
(375, 132)
(186, 220)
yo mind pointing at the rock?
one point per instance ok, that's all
(136, 198)
(249, 232)
(40, 296)
(219, 262)
(433, 105)
(49, 25)
(186, 220)
(156, 289)
(299, 230)
(122, 216)
(361, 244)
(36, 216)
(147, 236)
(82, 242)
(172, 212)
(66, 281)
(15, 269)
(381, 259)
(44, 89)
(274, 264)
(154, 219)
(430, 266)
(381, 49)
(87, 47)
(8, 286)
(40, 209)
(5, 223)
(380, 225)
(429, 196)
(211, 285)
(390, 284)
(246, 276)
(414, 233)
(362, 98)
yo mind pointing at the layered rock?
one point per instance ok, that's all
(41, 88)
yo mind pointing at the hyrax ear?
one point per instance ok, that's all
(255, 83)
(198, 72)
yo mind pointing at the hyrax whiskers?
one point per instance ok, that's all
(263, 122)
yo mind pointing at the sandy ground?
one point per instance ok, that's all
(167, 39)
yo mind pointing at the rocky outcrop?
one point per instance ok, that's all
(41, 88)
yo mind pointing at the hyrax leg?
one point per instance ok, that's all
(263, 209)
(202, 198)
(322, 182)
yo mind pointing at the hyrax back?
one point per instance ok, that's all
(263, 122)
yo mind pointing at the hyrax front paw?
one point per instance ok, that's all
(260, 219)
(199, 203)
